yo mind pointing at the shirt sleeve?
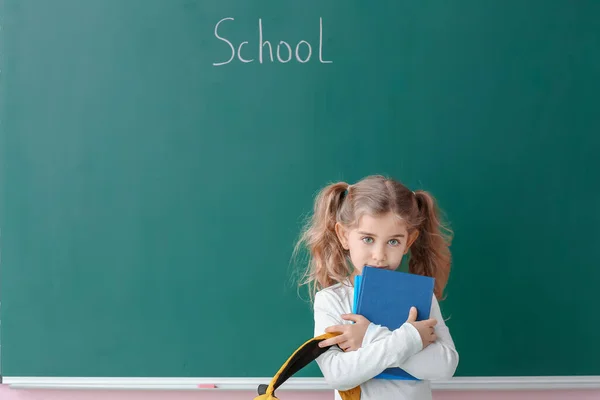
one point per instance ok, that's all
(346, 370)
(439, 360)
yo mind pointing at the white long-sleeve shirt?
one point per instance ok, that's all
(381, 349)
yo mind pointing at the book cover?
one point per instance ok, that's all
(385, 297)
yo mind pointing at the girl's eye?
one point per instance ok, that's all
(367, 240)
(394, 242)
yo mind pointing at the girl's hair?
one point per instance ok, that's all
(374, 195)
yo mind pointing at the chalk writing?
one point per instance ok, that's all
(302, 52)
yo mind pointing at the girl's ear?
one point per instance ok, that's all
(411, 239)
(342, 235)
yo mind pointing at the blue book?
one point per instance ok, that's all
(385, 297)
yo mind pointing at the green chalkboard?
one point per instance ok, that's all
(153, 182)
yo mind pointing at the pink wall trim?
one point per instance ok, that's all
(19, 394)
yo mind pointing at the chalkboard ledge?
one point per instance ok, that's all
(299, 384)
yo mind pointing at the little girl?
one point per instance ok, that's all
(375, 222)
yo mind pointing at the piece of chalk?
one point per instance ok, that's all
(207, 386)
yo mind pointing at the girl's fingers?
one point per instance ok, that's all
(335, 328)
(332, 341)
(353, 317)
(344, 346)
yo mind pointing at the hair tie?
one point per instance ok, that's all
(346, 191)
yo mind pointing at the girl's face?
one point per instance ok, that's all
(376, 241)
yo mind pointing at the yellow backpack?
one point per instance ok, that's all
(306, 353)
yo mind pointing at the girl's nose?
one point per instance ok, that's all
(379, 256)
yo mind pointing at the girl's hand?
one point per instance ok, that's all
(351, 335)
(425, 327)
